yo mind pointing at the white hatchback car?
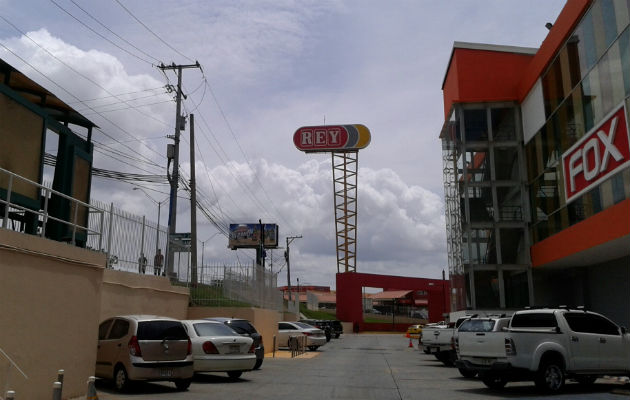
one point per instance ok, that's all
(218, 348)
(315, 337)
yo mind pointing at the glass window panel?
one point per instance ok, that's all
(606, 192)
(618, 188)
(575, 64)
(605, 83)
(622, 15)
(599, 29)
(576, 211)
(503, 124)
(476, 125)
(577, 127)
(588, 40)
(624, 55)
(608, 15)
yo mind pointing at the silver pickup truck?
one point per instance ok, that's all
(548, 346)
(439, 340)
(480, 342)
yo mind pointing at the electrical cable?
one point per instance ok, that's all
(153, 33)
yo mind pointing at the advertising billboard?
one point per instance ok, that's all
(248, 236)
(597, 155)
(331, 138)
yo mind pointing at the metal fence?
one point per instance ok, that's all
(131, 243)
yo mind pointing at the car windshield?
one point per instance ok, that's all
(210, 329)
(303, 325)
(160, 330)
(477, 325)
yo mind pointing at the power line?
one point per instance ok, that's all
(153, 33)
(97, 33)
(114, 33)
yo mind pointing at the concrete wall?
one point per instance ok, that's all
(49, 314)
(265, 321)
(130, 293)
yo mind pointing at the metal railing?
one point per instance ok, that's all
(131, 243)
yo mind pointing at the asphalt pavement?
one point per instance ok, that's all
(364, 366)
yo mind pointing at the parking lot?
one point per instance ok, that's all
(365, 366)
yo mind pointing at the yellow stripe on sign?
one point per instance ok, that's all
(364, 136)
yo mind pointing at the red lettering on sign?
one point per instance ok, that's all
(320, 137)
(597, 155)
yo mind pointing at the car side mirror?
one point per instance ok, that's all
(624, 330)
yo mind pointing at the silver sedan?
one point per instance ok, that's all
(315, 337)
(218, 348)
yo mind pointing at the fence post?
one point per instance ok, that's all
(47, 193)
(274, 346)
(100, 236)
(56, 391)
(91, 390)
(74, 222)
(142, 263)
(8, 203)
(10, 395)
(109, 234)
(60, 374)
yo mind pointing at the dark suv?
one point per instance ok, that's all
(321, 324)
(244, 328)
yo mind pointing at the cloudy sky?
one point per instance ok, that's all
(269, 67)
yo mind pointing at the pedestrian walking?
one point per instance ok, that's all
(142, 263)
(158, 260)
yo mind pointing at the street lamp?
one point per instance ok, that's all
(203, 246)
(157, 229)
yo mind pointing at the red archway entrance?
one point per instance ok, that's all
(349, 293)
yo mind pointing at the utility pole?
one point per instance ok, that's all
(173, 154)
(287, 258)
(193, 206)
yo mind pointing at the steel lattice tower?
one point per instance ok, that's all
(345, 167)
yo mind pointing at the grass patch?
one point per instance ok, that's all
(310, 314)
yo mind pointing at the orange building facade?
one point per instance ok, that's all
(536, 153)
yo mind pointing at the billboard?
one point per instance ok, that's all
(331, 138)
(597, 155)
(248, 236)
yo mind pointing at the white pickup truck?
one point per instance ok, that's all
(550, 345)
(480, 342)
(439, 340)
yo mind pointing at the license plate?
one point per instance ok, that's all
(235, 348)
(166, 372)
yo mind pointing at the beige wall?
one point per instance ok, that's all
(265, 321)
(49, 292)
(130, 293)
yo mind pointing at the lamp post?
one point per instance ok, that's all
(203, 246)
(159, 204)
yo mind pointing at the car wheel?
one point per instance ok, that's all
(258, 363)
(235, 374)
(467, 373)
(121, 379)
(550, 376)
(586, 380)
(494, 381)
(313, 348)
(182, 384)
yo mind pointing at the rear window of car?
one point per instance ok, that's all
(534, 320)
(160, 330)
(303, 325)
(485, 325)
(242, 327)
(210, 329)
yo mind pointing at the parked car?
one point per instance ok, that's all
(245, 328)
(218, 348)
(480, 342)
(548, 346)
(321, 324)
(144, 347)
(315, 337)
(337, 328)
(439, 340)
(414, 329)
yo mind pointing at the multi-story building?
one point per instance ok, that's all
(537, 166)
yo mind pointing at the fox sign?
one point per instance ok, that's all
(331, 138)
(596, 156)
